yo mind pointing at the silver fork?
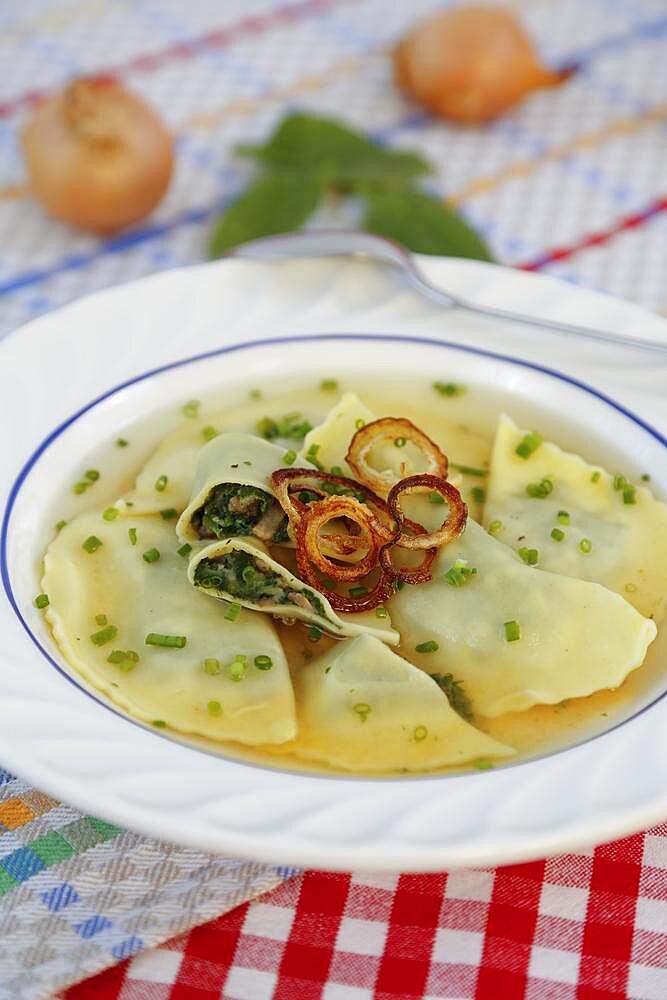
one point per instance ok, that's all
(343, 242)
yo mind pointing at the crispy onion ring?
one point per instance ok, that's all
(284, 482)
(309, 557)
(408, 574)
(394, 429)
(451, 527)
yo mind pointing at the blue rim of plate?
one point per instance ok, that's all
(175, 736)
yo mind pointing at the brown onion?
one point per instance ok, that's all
(451, 527)
(319, 513)
(470, 64)
(98, 157)
(391, 429)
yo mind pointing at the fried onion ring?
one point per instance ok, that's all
(284, 482)
(392, 429)
(451, 527)
(409, 574)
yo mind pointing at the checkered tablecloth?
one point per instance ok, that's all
(573, 183)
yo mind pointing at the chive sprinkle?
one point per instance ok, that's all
(336, 470)
(168, 514)
(167, 641)
(630, 494)
(540, 490)
(191, 409)
(111, 513)
(512, 631)
(478, 494)
(529, 556)
(459, 574)
(159, 723)
(104, 635)
(329, 385)
(151, 555)
(563, 517)
(214, 708)
(528, 444)
(449, 388)
(161, 483)
(585, 545)
(595, 478)
(645, 477)
(557, 534)
(41, 601)
(420, 733)
(79, 488)
(435, 497)
(289, 458)
(126, 659)
(358, 591)
(429, 646)
(483, 764)
(237, 667)
(495, 527)
(60, 525)
(381, 613)
(311, 456)
(255, 393)
(359, 423)
(400, 442)
(212, 667)
(232, 613)
(469, 470)
(132, 535)
(122, 442)
(619, 482)
(263, 662)
(91, 544)
(101, 619)
(185, 550)
(208, 433)
(93, 475)
(362, 709)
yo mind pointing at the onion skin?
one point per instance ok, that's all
(97, 156)
(470, 64)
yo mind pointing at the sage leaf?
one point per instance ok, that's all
(275, 203)
(304, 142)
(420, 222)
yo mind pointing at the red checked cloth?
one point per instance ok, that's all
(586, 926)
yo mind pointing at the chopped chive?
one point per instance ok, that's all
(159, 723)
(630, 494)
(459, 574)
(208, 433)
(619, 482)
(41, 601)
(111, 513)
(595, 478)
(93, 475)
(161, 483)
(436, 497)
(60, 525)
(585, 545)
(429, 646)
(563, 517)
(168, 514)
(381, 613)
(101, 619)
(311, 456)
(267, 428)
(358, 591)
(80, 488)
(184, 550)
(495, 527)
(528, 444)
(191, 409)
(483, 764)
(214, 708)
(529, 556)
(263, 662)
(232, 613)
(540, 490)
(359, 423)
(246, 461)
(91, 544)
(132, 535)
(212, 667)
(314, 633)
(129, 503)
(168, 641)
(151, 555)
(420, 733)
(469, 470)
(336, 470)
(557, 534)
(122, 442)
(126, 659)
(237, 667)
(400, 442)
(362, 709)
(478, 494)
(289, 458)
(645, 477)
(512, 631)
(104, 635)
(630, 588)
(255, 393)
(449, 388)
(329, 385)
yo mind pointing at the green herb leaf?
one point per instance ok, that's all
(276, 203)
(421, 222)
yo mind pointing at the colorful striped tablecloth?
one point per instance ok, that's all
(573, 183)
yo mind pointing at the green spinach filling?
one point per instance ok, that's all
(456, 696)
(232, 510)
(244, 576)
